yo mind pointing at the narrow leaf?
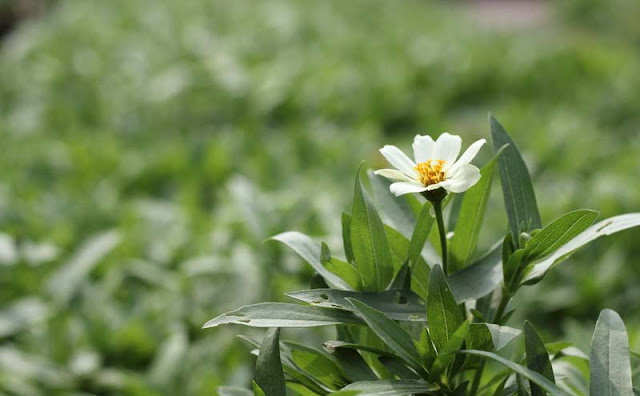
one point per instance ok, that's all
(369, 242)
(610, 365)
(490, 337)
(442, 310)
(391, 388)
(269, 373)
(319, 366)
(346, 237)
(311, 252)
(519, 198)
(353, 365)
(559, 232)
(393, 210)
(397, 368)
(531, 375)
(447, 354)
(605, 227)
(420, 234)
(467, 229)
(395, 304)
(537, 357)
(389, 332)
(480, 278)
(346, 271)
(283, 315)
(234, 391)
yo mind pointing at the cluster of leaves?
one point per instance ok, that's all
(140, 137)
(404, 327)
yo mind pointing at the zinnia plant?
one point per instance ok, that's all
(416, 319)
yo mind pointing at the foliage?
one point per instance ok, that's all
(435, 350)
(148, 148)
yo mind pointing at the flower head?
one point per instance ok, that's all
(435, 165)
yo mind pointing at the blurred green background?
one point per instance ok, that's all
(150, 147)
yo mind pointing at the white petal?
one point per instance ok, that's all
(422, 148)
(466, 176)
(447, 148)
(393, 175)
(467, 156)
(399, 159)
(402, 188)
(436, 186)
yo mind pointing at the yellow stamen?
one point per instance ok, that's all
(430, 172)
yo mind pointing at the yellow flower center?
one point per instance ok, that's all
(430, 172)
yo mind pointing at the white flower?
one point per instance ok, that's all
(435, 165)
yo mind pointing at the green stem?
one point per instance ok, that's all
(477, 378)
(437, 207)
(504, 300)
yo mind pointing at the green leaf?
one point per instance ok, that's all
(610, 361)
(397, 368)
(393, 210)
(319, 366)
(234, 391)
(369, 242)
(389, 332)
(605, 227)
(559, 232)
(420, 234)
(346, 271)
(391, 388)
(290, 367)
(311, 252)
(426, 349)
(257, 390)
(447, 354)
(519, 198)
(282, 315)
(301, 390)
(537, 357)
(531, 375)
(490, 337)
(346, 237)
(269, 373)
(395, 304)
(443, 314)
(331, 346)
(467, 229)
(353, 365)
(480, 278)
(419, 268)
(399, 246)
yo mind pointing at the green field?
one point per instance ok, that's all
(150, 148)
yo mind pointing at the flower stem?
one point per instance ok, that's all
(437, 207)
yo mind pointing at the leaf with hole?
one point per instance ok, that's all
(605, 227)
(283, 315)
(395, 304)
